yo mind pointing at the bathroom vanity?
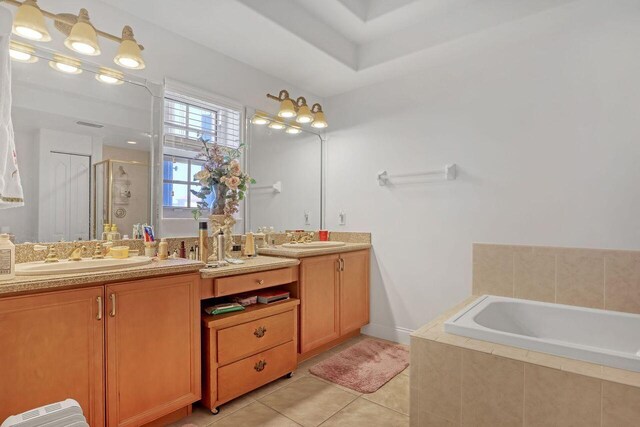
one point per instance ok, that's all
(133, 348)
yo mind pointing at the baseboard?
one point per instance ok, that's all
(390, 333)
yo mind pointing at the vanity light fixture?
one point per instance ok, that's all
(129, 53)
(109, 76)
(293, 130)
(304, 113)
(22, 52)
(259, 120)
(276, 126)
(65, 64)
(82, 36)
(319, 121)
(300, 110)
(29, 22)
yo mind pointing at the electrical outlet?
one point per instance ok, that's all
(343, 218)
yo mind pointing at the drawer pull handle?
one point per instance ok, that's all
(260, 282)
(259, 366)
(260, 331)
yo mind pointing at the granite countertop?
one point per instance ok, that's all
(434, 331)
(24, 284)
(279, 251)
(251, 265)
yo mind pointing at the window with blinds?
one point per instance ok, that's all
(187, 119)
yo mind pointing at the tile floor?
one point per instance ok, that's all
(306, 400)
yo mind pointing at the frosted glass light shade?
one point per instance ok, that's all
(287, 109)
(65, 64)
(259, 120)
(22, 52)
(29, 22)
(276, 126)
(319, 122)
(304, 115)
(83, 37)
(293, 130)
(109, 76)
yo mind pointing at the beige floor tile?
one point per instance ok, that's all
(557, 398)
(275, 385)
(364, 413)
(255, 415)
(348, 390)
(406, 371)
(202, 416)
(308, 401)
(393, 395)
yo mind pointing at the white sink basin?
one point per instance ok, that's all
(86, 265)
(313, 245)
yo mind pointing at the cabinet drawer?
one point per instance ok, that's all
(248, 374)
(248, 282)
(249, 338)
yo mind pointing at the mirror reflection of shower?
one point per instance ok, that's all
(120, 195)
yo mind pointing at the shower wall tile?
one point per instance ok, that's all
(622, 281)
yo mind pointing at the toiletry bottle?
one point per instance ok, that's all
(250, 246)
(203, 241)
(7, 258)
(163, 249)
(197, 252)
(106, 230)
(183, 250)
(114, 232)
(220, 245)
(192, 253)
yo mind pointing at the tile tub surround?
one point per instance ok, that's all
(596, 278)
(461, 381)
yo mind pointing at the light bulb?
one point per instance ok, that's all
(29, 33)
(109, 76)
(276, 126)
(258, 120)
(293, 130)
(83, 48)
(20, 56)
(128, 62)
(66, 68)
(65, 64)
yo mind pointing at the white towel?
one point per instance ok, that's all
(10, 187)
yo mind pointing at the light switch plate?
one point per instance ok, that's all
(343, 218)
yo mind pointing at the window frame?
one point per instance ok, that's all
(169, 124)
(189, 184)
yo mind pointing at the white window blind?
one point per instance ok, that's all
(186, 119)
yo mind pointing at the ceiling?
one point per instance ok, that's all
(333, 46)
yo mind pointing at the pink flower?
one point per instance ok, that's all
(232, 182)
(234, 168)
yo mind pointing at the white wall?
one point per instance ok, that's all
(544, 127)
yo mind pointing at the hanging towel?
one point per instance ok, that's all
(10, 187)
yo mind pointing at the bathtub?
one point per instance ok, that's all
(604, 337)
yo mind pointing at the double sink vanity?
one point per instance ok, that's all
(134, 347)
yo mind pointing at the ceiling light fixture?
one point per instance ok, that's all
(29, 22)
(300, 110)
(109, 76)
(129, 53)
(83, 37)
(319, 121)
(65, 64)
(22, 52)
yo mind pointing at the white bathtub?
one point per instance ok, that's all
(604, 337)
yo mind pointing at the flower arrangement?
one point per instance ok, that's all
(222, 177)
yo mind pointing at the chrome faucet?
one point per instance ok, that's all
(76, 253)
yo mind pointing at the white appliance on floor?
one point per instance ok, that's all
(62, 414)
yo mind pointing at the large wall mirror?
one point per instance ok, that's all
(286, 161)
(84, 152)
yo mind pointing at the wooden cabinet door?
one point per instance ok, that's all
(319, 322)
(52, 349)
(354, 291)
(153, 348)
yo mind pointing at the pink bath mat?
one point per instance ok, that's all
(365, 366)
